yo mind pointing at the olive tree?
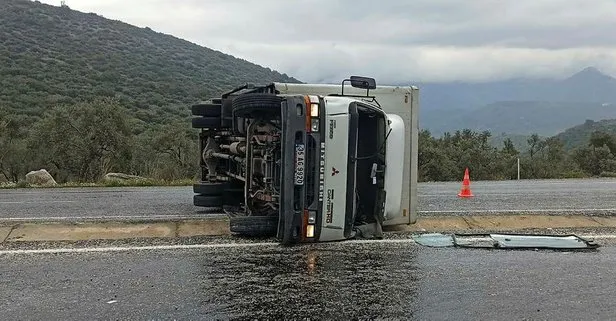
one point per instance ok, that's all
(83, 141)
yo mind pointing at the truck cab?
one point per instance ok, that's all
(310, 163)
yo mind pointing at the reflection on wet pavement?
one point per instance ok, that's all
(314, 282)
(335, 281)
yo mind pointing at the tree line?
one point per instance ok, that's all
(82, 142)
(445, 158)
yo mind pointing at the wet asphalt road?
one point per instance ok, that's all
(97, 202)
(340, 281)
(571, 196)
(590, 196)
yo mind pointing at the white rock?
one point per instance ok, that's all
(40, 177)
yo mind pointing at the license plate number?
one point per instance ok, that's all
(300, 161)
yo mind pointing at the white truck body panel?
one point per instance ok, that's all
(338, 105)
(394, 164)
(402, 101)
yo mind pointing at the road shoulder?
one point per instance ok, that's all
(218, 225)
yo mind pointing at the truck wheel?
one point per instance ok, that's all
(211, 123)
(254, 225)
(206, 188)
(206, 110)
(207, 201)
(206, 122)
(249, 105)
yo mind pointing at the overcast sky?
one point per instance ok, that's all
(392, 40)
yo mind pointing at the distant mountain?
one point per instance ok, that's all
(580, 135)
(524, 118)
(520, 106)
(588, 85)
(466, 96)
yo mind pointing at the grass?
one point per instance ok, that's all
(110, 183)
(608, 174)
(575, 174)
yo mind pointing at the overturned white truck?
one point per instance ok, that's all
(310, 162)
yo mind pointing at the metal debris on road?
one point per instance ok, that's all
(505, 241)
(434, 240)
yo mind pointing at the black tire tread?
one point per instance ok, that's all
(206, 122)
(247, 105)
(254, 225)
(207, 110)
(206, 188)
(207, 201)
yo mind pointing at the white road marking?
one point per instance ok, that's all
(524, 210)
(136, 248)
(523, 182)
(116, 217)
(599, 236)
(225, 245)
(36, 201)
(484, 194)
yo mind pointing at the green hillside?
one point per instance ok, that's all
(51, 55)
(580, 135)
(81, 95)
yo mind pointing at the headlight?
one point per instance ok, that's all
(310, 231)
(314, 110)
(314, 124)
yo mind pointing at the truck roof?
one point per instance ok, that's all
(328, 89)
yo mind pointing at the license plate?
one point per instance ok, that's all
(300, 161)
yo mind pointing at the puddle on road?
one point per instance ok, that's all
(326, 281)
(505, 241)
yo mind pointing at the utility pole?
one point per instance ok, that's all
(518, 168)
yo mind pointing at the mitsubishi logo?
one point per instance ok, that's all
(334, 171)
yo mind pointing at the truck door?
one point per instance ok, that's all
(339, 178)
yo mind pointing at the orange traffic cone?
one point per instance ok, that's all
(466, 186)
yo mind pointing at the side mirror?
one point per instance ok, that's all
(363, 82)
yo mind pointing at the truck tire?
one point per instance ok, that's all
(206, 122)
(206, 110)
(211, 123)
(249, 105)
(254, 225)
(206, 188)
(207, 201)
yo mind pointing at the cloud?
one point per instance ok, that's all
(394, 40)
(330, 62)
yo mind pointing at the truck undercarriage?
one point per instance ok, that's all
(241, 158)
